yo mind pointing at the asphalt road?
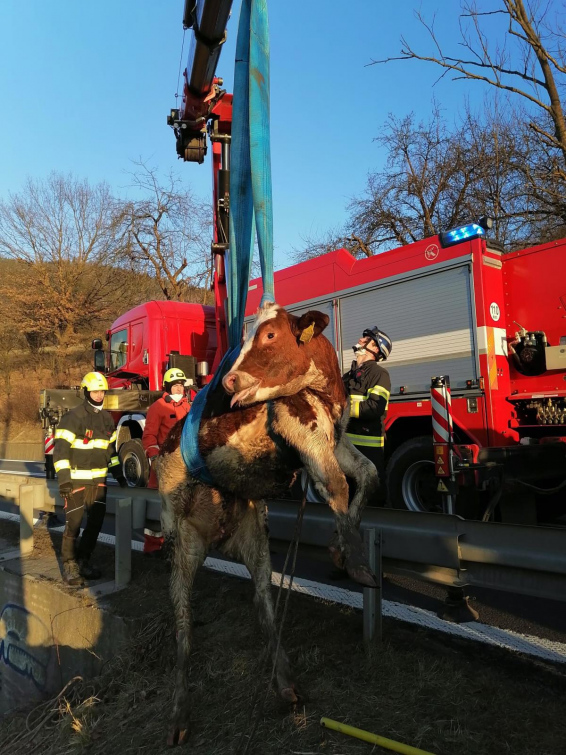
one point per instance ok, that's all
(525, 615)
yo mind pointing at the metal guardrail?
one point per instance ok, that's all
(448, 550)
(34, 494)
(439, 548)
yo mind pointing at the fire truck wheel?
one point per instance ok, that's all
(134, 463)
(411, 483)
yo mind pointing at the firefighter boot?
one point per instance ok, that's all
(71, 574)
(88, 571)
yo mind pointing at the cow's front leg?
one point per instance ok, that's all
(250, 543)
(188, 554)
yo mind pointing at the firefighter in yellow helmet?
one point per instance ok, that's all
(85, 449)
(161, 416)
(164, 413)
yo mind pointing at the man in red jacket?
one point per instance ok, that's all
(161, 416)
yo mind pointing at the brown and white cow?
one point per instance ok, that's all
(282, 408)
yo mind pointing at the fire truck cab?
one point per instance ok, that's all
(141, 345)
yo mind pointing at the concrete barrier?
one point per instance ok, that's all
(48, 635)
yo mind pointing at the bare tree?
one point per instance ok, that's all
(167, 234)
(61, 234)
(530, 62)
(423, 189)
(436, 178)
(335, 238)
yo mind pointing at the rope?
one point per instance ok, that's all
(250, 189)
(180, 64)
(255, 710)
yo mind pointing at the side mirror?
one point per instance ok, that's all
(99, 361)
(96, 343)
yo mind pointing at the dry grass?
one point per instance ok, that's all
(442, 695)
(26, 375)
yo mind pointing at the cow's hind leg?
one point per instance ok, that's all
(359, 468)
(347, 549)
(250, 543)
(189, 552)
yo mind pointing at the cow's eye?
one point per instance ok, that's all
(271, 335)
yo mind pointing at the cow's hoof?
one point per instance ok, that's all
(177, 736)
(363, 575)
(289, 694)
(337, 556)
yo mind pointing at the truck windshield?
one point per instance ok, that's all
(118, 349)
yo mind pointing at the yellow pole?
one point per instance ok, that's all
(375, 739)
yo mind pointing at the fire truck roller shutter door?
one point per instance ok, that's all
(430, 321)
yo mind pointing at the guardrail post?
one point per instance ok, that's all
(123, 555)
(373, 628)
(26, 519)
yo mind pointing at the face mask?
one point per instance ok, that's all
(359, 350)
(176, 397)
(95, 404)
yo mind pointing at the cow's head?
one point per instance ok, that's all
(279, 357)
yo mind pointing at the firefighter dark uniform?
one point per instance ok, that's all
(84, 452)
(369, 387)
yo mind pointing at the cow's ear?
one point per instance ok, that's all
(310, 325)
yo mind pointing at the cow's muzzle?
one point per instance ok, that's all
(241, 386)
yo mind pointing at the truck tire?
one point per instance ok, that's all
(411, 483)
(134, 463)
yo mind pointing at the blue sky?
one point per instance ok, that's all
(86, 87)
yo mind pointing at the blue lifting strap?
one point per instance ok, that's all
(250, 198)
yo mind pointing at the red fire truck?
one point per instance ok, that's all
(451, 307)
(450, 310)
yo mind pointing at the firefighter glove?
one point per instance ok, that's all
(65, 489)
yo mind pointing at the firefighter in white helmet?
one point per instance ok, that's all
(368, 385)
(84, 452)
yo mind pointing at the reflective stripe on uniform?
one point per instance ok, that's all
(63, 464)
(88, 474)
(65, 435)
(114, 461)
(355, 401)
(372, 441)
(80, 444)
(378, 390)
(113, 437)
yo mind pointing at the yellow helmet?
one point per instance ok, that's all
(94, 381)
(173, 375)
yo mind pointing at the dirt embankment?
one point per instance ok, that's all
(22, 378)
(446, 696)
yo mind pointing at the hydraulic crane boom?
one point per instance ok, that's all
(201, 90)
(206, 108)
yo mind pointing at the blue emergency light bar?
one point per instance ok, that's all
(464, 233)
